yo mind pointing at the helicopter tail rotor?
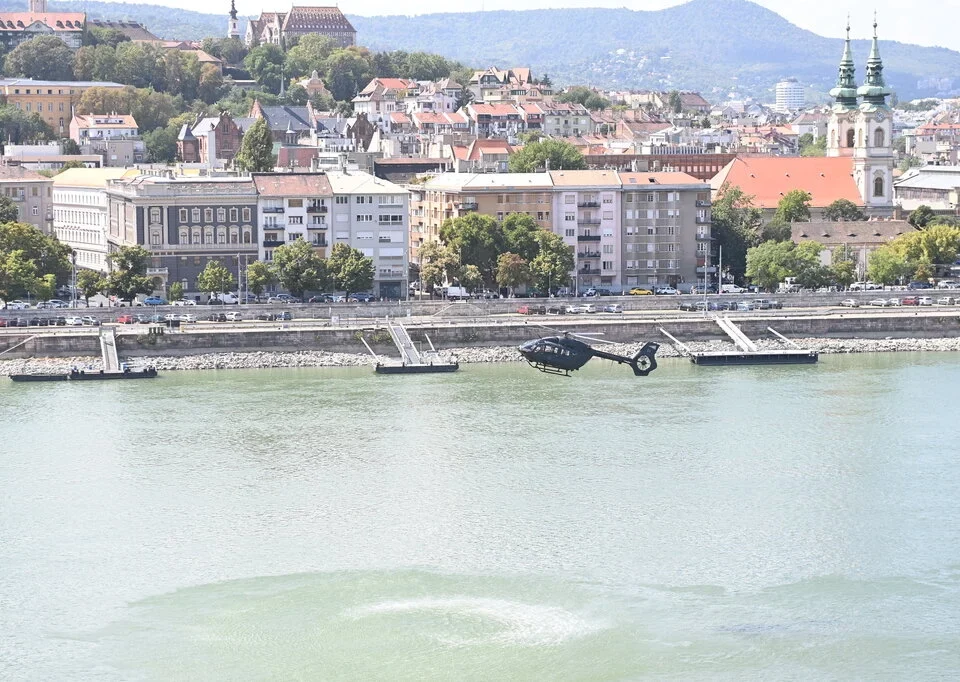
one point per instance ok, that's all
(645, 360)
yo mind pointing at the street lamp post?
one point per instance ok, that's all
(73, 293)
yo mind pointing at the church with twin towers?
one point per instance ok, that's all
(861, 127)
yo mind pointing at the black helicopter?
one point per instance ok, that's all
(564, 354)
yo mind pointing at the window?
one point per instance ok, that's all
(155, 238)
(878, 138)
(608, 215)
(343, 200)
(183, 215)
(34, 191)
(195, 215)
(295, 203)
(184, 236)
(221, 215)
(36, 210)
(569, 199)
(195, 236)
(234, 215)
(850, 135)
(365, 218)
(221, 235)
(570, 217)
(651, 197)
(878, 187)
(608, 265)
(608, 248)
(154, 215)
(295, 220)
(607, 199)
(246, 233)
(499, 216)
(571, 232)
(208, 235)
(208, 215)
(246, 215)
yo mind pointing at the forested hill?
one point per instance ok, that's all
(716, 46)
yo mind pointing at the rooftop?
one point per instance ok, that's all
(292, 184)
(91, 177)
(769, 178)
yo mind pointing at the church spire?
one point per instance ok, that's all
(845, 93)
(874, 90)
(233, 9)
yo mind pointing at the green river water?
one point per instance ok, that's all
(497, 524)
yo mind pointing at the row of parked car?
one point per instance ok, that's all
(58, 321)
(909, 300)
(757, 304)
(588, 308)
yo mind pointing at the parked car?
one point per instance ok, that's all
(171, 317)
(745, 306)
(217, 317)
(532, 310)
(44, 305)
(281, 298)
(125, 319)
(156, 319)
(154, 300)
(665, 291)
(556, 310)
(588, 308)
(849, 303)
(17, 305)
(910, 300)
(234, 317)
(184, 302)
(925, 300)
(865, 286)
(637, 291)
(944, 300)
(948, 284)
(731, 289)
(916, 286)
(284, 315)
(321, 298)
(615, 308)
(90, 321)
(187, 317)
(73, 321)
(57, 303)
(879, 303)
(361, 297)
(691, 306)
(573, 310)
(699, 289)
(893, 302)
(766, 304)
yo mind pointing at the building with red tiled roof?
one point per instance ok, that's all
(482, 156)
(495, 120)
(277, 28)
(19, 27)
(769, 178)
(383, 96)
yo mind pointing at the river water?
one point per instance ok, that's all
(496, 524)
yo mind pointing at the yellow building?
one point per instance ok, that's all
(53, 100)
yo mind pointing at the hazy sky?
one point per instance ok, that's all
(925, 22)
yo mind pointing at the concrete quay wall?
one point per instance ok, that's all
(137, 343)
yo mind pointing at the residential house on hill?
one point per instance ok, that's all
(287, 124)
(481, 156)
(212, 141)
(31, 193)
(382, 96)
(115, 137)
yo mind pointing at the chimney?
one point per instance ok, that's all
(343, 162)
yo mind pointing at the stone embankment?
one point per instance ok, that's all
(263, 360)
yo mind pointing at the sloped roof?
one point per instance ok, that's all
(316, 19)
(851, 232)
(292, 184)
(648, 179)
(769, 178)
(86, 121)
(91, 177)
(572, 178)
(287, 118)
(58, 21)
(18, 173)
(133, 30)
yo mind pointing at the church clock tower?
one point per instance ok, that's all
(841, 137)
(233, 30)
(873, 154)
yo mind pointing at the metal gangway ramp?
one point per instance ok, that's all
(408, 352)
(736, 334)
(108, 349)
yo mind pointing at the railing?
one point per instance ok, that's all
(275, 225)
(152, 272)
(589, 254)
(589, 221)
(320, 243)
(467, 206)
(270, 243)
(317, 226)
(589, 271)
(588, 238)
(703, 220)
(588, 204)
(704, 236)
(314, 209)
(273, 209)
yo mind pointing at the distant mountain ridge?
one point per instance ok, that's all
(716, 46)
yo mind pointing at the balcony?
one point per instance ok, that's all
(317, 226)
(312, 209)
(588, 238)
(157, 272)
(588, 204)
(701, 203)
(588, 221)
(467, 206)
(703, 220)
(589, 254)
(589, 271)
(272, 243)
(704, 236)
(273, 209)
(319, 243)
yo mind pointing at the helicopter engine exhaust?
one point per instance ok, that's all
(645, 359)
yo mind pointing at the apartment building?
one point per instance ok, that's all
(372, 215)
(53, 100)
(565, 119)
(19, 27)
(666, 233)
(80, 212)
(115, 137)
(625, 229)
(293, 206)
(586, 209)
(32, 193)
(184, 223)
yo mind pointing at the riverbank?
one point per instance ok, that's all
(303, 359)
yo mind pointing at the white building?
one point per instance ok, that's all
(790, 95)
(371, 215)
(80, 212)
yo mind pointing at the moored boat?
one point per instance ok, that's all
(82, 375)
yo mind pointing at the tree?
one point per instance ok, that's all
(920, 216)
(210, 87)
(887, 265)
(843, 209)
(551, 268)
(794, 207)
(42, 58)
(520, 234)
(777, 230)
(298, 268)
(346, 71)
(349, 269)
(17, 126)
(265, 63)
(808, 146)
(437, 264)
(90, 283)
(736, 227)
(512, 271)
(534, 157)
(471, 278)
(585, 96)
(69, 147)
(9, 213)
(108, 37)
(843, 266)
(675, 103)
(161, 145)
(48, 254)
(17, 274)
(256, 150)
(175, 292)
(215, 279)
(44, 287)
(141, 65)
(937, 244)
(128, 273)
(259, 277)
(769, 263)
(309, 55)
(476, 240)
(805, 265)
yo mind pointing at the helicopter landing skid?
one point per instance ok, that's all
(547, 369)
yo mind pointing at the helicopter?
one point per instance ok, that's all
(566, 353)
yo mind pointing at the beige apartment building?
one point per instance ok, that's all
(626, 229)
(32, 194)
